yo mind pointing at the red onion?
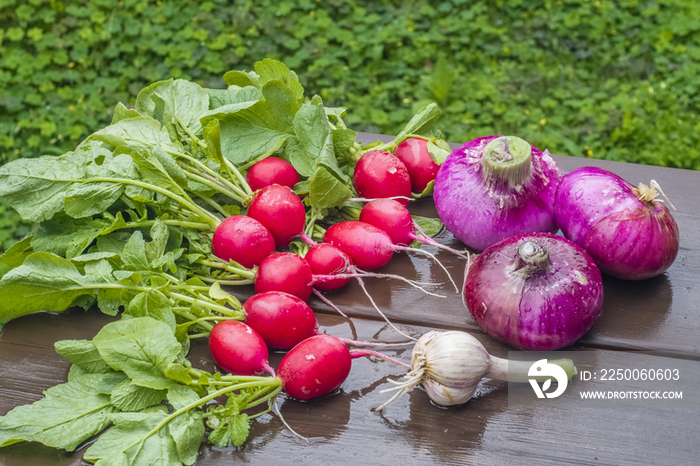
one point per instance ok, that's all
(495, 187)
(628, 233)
(535, 291)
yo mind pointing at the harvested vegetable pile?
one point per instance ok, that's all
(149, 217)
(258, 184)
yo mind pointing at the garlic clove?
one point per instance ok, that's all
(447, 396)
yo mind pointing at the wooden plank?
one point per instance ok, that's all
(342, 429)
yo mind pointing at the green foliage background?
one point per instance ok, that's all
(607, 79)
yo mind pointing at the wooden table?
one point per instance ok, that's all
(660, 315)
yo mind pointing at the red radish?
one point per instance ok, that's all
(280, 210)
(332, 268)
(290, 273)
(238, 349)
(272, 171)
(287, 272)
(242, 239)
(315, 367)
(413, 152)
(367, 246)
(392, 217)
(326, 259)
(396, 220)
(319, 365)
(281, 319)
(379, 174)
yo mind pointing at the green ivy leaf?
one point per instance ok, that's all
(440, 82)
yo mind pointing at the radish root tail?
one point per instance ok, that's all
(423, 238)
(415, 284)
(405, 248)
(374, 344)
(354, 354)
(362, 284)
(279, 413)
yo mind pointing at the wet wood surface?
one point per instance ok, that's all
(656, 320)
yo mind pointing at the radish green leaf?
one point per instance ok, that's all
(141, 347)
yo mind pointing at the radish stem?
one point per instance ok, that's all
(320, 296)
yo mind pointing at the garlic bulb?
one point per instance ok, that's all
(453, 359)
(449, 365)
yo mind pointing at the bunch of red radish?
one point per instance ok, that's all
(277, 316)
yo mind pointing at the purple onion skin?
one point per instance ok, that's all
(627, 238)
(479, 215)
(546, 310)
